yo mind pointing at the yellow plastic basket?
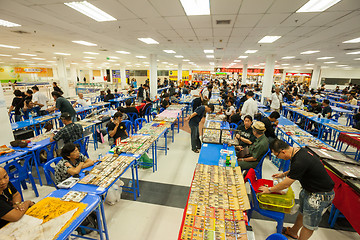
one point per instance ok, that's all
(277, 202)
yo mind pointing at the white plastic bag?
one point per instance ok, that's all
(114, 193)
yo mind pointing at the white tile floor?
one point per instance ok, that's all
(143, 221)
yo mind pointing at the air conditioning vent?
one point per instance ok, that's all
(219, 49)
(39, 52)
(352, 49)
(103, 50)
(223, 22)
(20, 32)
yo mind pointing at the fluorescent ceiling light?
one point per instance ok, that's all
(309, 68)
(323, 58)
(38, 58)
(90, 57)
(285, 64)
(127, 62)
(297, 66)
(329, 62)
(27, 54)
(209, 51)
(288, 57)
(169, 51)
(186, 60)
(8, 24)
(237, 60)
(91, 53)
(357, 59)
(317, 5)
(140, 56)
(261, 63)
(86, 61)
(113, 57)
(310, 52)
(91, 11)
(342, 65)
(73, 63)
(179, 56)
(51, 61)
(85, 43)
(146, 62)
(243, 56)
(123, 52)
(164, 62)
(59, 53)
(196, 7)
(111, 60)
(269, 39)
(309, 64)
(251, 51)
(8, 46)
(18, 58)
(148, 40)
(256, 65)
(358, 52)
(5, 55)
(212, 63)
(355, 40)
(210, 56)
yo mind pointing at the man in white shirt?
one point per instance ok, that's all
(82, 101)
(206, 93)
(276, 100)
(39, 99)
(250, 106)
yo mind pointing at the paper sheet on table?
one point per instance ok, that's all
(30, 228)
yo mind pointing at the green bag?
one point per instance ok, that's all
(145, 161)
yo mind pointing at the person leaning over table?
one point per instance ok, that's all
(17, 104)
(165, 103)
(63, 105)
(244, 133)
(314, 107)
(317, 187)
(326, 111)
(70, 132)
(11, 206)
(257, 150)
(270, 123)
(72, 163)
(194, 120)
(117, 129)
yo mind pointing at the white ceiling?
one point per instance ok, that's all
(51, 27)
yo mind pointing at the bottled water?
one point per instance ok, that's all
(31, 117)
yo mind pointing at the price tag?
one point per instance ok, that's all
(100, 189)
(205, 145)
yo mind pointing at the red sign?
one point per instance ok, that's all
(250, 70)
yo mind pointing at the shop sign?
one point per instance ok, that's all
(298, 74)
(249, 71)
(29, 70)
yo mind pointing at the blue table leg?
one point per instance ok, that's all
(36, 166)
(98, 217)
(165, 134)
(104, 219)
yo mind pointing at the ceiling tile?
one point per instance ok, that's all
(272, 20)
(157, 23)
(221, 7)
(241, 31)
(300, 31)
(185, 32)
(141, 8)
(169, 33)
(297, 19)
(200, 21)
(325, 18)
(178, 22)
(255, 6)
(286, 6)
(222, 32)
(204, 32)
(247, 20)
(168, 8)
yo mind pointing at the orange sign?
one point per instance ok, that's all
(29, 70)
(201, 72)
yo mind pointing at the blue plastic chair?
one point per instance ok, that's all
(161, 110)
(240, 122)
(276, 236)
(21, 169)
(128, 125)
(148, 113)
(132, 117)
(335, 117)
(233, 126)
(258, 169)
(83, 145)
(49, 170)
(334, 214)
(153, 115)
(139, 123)
(277, 216)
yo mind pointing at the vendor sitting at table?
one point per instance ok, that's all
(11, 206)
(326, 111)
(315, 107)
(352, 100)
(148, 104)
(298, 102)
(70, 133)
(256, 151)
(117, 129)
(244, 133)
(270, 123)
(165, 103)
(72, 163)
(82, 101)
(128, 108)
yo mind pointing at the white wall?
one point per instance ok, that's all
(339, 73)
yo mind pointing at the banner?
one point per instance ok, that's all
(116, 76)
(30, 70)
(249, 71)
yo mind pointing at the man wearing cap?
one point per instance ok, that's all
(257, 150)
(194, 120)
(70, 132)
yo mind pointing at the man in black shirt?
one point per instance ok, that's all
(165, 103)
(326, 111)
(128, 108)
(194, 120)
(315, 107)
(117, 129)
(270, 122)
(244, 132)
(108, 96)
(317, 187)
(140, 94)
(11, 206)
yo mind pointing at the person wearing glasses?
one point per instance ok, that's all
(317, 187)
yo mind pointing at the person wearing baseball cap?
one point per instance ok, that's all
(70, 132)
(257, 150)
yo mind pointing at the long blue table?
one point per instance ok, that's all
(34, 124)
(210, 153)
(12, 156)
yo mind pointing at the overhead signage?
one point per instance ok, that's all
(201, 72)
(249, 70)
(29, 70)
(298, 74)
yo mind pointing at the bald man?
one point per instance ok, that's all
(11, 206)
(82, 101)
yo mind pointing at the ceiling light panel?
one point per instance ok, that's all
(179, 56)
(36, 58)
(209, 51)
(251, 51)
(317, 5)
(196, 7)
(91, 11)
(357, 52)
(90, 57)
(243, 56)
(5, 23)
(5, 55)
(18, 58)
(85, 43)
(169, 51)
(269, 39)
(330, 62)
(324, 58)
(140, 57)
(148, 40)
(237, 61)
(288, 57)
(355, 40)
(8, 46)
(27, 54)
(91, 53)
(310, 52)
(123, 52)
(60, 53)
(210, 56)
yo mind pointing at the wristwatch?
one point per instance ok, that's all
(269, 188)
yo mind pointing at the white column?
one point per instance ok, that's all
(315, 78)
(102, 75)
(6, 132)
(190, 74)
(73, 73)
(179, 72)
(244, 73)
(91, 75)
(268, 77)
(153, 76)
(123, 76)
(61, 68)
(55, 74)
(283, 76)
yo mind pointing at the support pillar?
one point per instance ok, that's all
(179, 73)
(123, 76)
(6, 131)
(153, 76)
(73, 74)
(61, 68)
(244, 74)
(268, 77)
(315, 77)
(91, 75)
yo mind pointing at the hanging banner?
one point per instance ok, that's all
(298, 74)
(116, 76)
(201, 72)
(29, 70)
(249, 71)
